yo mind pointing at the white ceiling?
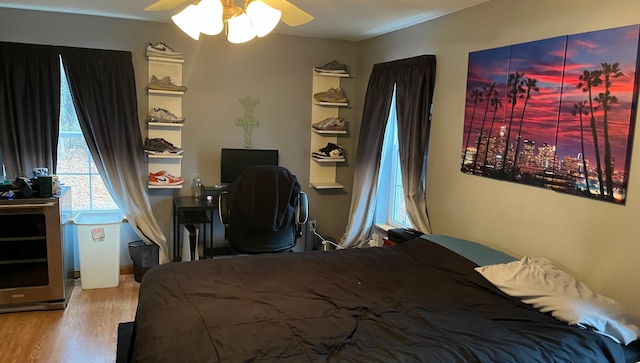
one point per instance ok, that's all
(334, 19)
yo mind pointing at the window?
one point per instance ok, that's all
(390, 207)
(75, 165)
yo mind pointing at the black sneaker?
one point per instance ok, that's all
(158, 114)
(160, 146)
(331, 151)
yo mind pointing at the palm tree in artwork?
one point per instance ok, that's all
(496, 102)
(589, 80)
(605, 99)
(515, 91)
(476, 96)
(529, 84)
(489, 91)
(580, 109)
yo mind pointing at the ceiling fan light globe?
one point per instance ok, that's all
(263, 17)
(210, 17)
(188, 21)
(240, 29)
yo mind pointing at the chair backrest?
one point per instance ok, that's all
(261, 211)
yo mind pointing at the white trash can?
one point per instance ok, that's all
(99, 248)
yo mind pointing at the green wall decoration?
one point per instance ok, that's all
(249, 122)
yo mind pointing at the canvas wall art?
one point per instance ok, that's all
(557, 113)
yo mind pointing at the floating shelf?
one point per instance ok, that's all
(164, 156)
(166, 93)
(165, 186)
(165, 60)
(333, 160)
(330, 132)
(331, 104)
(165, 124)
(325, 185)
(328, 74)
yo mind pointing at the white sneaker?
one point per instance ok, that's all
(162, 115)
(162, 50)
(330, 124)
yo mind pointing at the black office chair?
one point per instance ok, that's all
(263, 210)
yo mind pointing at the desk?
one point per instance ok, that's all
(188, 210)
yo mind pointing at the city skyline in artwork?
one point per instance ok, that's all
(557, 113)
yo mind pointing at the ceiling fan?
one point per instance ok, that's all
(291, 14)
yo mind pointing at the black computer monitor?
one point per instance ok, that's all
(234, 161)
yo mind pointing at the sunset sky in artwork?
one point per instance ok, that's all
(556, 64)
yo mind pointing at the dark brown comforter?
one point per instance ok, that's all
(414, 302)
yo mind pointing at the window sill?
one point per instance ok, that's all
(382, 228)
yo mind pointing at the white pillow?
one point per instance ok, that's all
(536, 281)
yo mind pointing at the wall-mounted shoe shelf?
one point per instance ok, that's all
(322, 172)
(172, 132)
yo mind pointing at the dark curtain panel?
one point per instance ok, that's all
(103, 87)
(414, 79)
(29, 107)
(414, 95)
(368, 154)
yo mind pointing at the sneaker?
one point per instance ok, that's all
(164, 178)
(332, 67)
(165, 84)
(163, 115)
(331, 151)
(160, 146)
(333, 95)
(162, 50)
(330, 124)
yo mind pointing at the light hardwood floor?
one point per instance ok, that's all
(85, 332)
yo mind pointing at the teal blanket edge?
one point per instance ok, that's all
(473, 251)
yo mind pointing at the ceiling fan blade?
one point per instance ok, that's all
(291, 14)
(162, 5)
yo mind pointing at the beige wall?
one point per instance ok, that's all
(597, 241)
(276, 69)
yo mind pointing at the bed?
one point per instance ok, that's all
(419, 301)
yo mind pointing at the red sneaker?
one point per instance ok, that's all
(164, 178)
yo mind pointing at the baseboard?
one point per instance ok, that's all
(124, 270)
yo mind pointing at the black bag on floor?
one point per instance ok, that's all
(399, 235)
